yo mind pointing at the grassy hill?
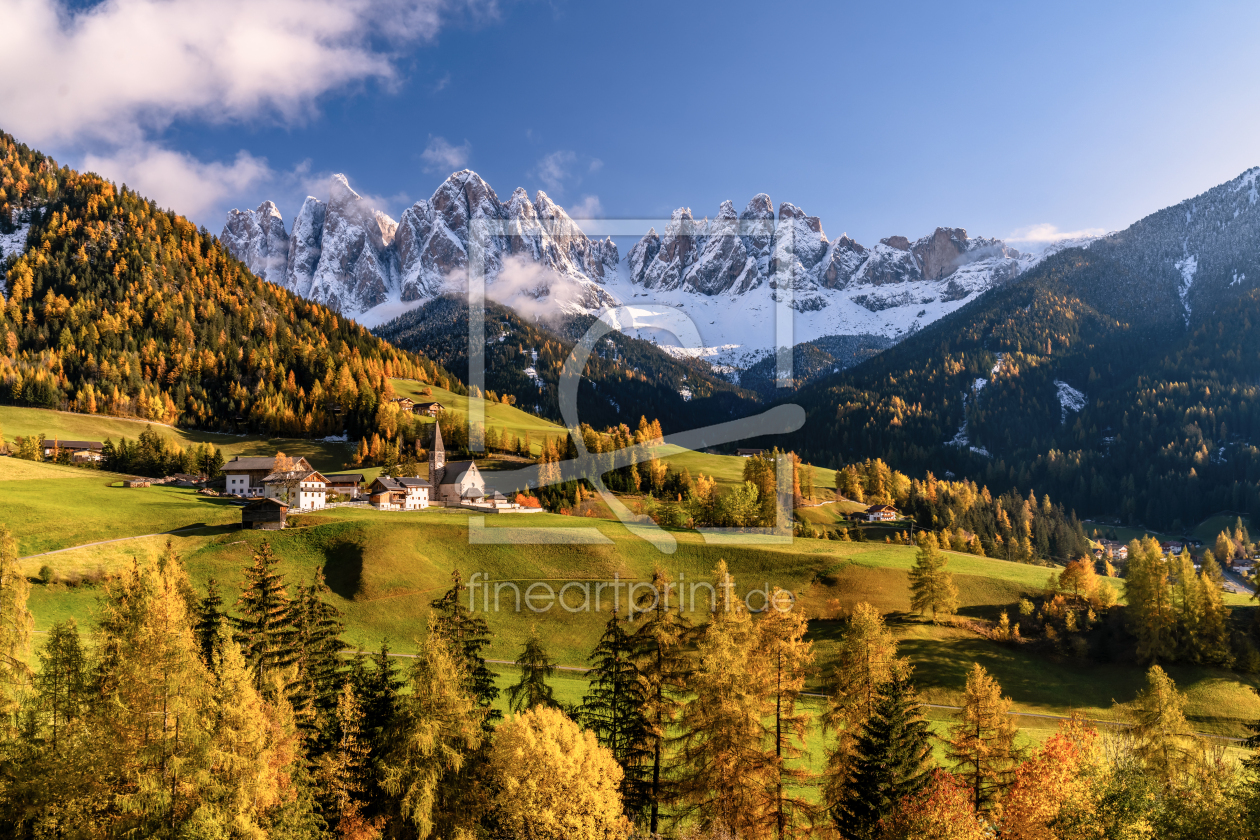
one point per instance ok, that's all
(15, 420)
(50, 507)
(385, 568)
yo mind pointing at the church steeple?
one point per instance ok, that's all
(437, 457)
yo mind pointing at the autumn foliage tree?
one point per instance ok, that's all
(554, 781)
(981, 745)
(1053, 787)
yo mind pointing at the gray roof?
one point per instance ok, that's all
(264, 501)
(454, 471)
(251, 463)
(254, 462)
(413, 482)
(344, 478)
(388, 483)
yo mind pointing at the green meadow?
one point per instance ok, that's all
(384, 569)
(15, 421)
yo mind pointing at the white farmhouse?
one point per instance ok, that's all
(302, 489)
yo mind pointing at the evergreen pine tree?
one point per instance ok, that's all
(531, 689)
(982, 744)
(615, 709)
(891, 761)
(470, 635)
(265, 629)
(317, 637)
(867, 659)
(344, 770)
(377, 684)
(210, 618)
(931, 585)
(660, 645)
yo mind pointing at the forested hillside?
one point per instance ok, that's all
(118, 307)
(1058, 384)
(625, 377)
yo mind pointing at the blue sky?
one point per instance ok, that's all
(880, 118)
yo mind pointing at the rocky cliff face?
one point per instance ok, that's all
(347, 254)
(258, 239)
(733, 254)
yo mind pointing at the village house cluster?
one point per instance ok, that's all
(299, 487)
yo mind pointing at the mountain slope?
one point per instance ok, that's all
(1082, 379)
(117, 307)
(625, 378)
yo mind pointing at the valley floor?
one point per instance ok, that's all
(384, 569)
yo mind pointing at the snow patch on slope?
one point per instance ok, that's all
(1248, 182)
(1187, 265)
(11, 243)
(1070, 400)
(14, 243)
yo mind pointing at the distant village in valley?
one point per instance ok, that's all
(269, 488)
(276, 485)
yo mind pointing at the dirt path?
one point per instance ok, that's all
(106, 542)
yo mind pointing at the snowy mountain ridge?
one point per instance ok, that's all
(350, 256)
(730, 273)
(727, 274)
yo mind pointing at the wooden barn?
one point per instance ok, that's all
(266, 514)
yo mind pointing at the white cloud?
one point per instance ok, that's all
(588, 208)
(125, 67)
(110, 78)
(177, 180)
(443, 158)
(1047, 233)
(553, 170)
(529, 287)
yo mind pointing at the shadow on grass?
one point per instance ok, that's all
(343, 567)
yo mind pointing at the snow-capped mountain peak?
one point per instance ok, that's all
(347, 254)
